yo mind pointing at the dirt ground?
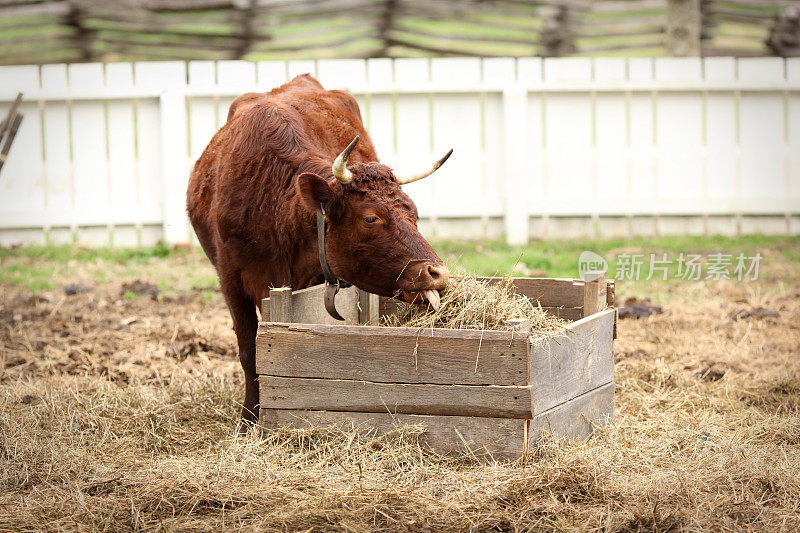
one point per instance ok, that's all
(119, 408)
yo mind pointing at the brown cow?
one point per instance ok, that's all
(254, 194)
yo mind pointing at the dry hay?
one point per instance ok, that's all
(103, 427)
(472, 303)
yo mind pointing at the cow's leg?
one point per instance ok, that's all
(245, 324)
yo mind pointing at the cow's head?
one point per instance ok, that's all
(372, 239)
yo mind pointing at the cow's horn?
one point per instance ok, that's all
(425, 174)
(339, 167)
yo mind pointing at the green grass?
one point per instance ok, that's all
(61, 254)
(780, 259)
(35, 279)
(560, 258)
(43, 268)
(52, 267)
(130, 295)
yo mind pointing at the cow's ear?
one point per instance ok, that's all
(315, 192)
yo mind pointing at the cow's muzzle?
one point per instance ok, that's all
(424, 283)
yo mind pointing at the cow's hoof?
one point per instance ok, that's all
(244, 427)
(248, 420)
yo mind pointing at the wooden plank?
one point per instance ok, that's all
(679, 166)
(300, 66)
(397, 398)
(341, 73)
(793, 135)
(406, 31)
(202, 112)
(387, 306)
(641, 129)
(308, 307)
(456, 123)
(188, 44)
(577, 418)
(367, 308)
(271, 74)
(31, 10)
(611, 133)
(434, 49)
(611, 302)
(500, 71)
(595, 292)
(761, 130)
(412, 134)
(721, 117)
(235, 74)
(501, 438)
(568, 366)
(89, 144)
(611, 297)
(627, 6)
(392, 355)
(121, 148)
(570, 314)
(175, 166)
(567, 176)
(379, 115)
(280, 304)
(625, 46)
(56, 138)
(550, 292)
(516, 165)
(161, 75)
(615, 31)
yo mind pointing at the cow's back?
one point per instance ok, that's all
(326, 120)
(245, 176)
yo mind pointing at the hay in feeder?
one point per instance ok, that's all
(471, 303)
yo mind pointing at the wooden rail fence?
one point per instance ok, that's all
(42, 31)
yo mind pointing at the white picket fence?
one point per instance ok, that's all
(104, 151)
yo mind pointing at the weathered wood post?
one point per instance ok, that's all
(558, 34)
(245, 12)
(683, 28)
(84, 36)
(280, 304)
(367, 308)
(595, 288)
(784, 36)
(385, 25)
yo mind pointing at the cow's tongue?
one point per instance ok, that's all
(433, 298)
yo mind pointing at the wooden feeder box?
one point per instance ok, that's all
(488, 393)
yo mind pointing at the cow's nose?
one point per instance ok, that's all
(439, 275)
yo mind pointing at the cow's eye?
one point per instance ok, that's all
(370, 220)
